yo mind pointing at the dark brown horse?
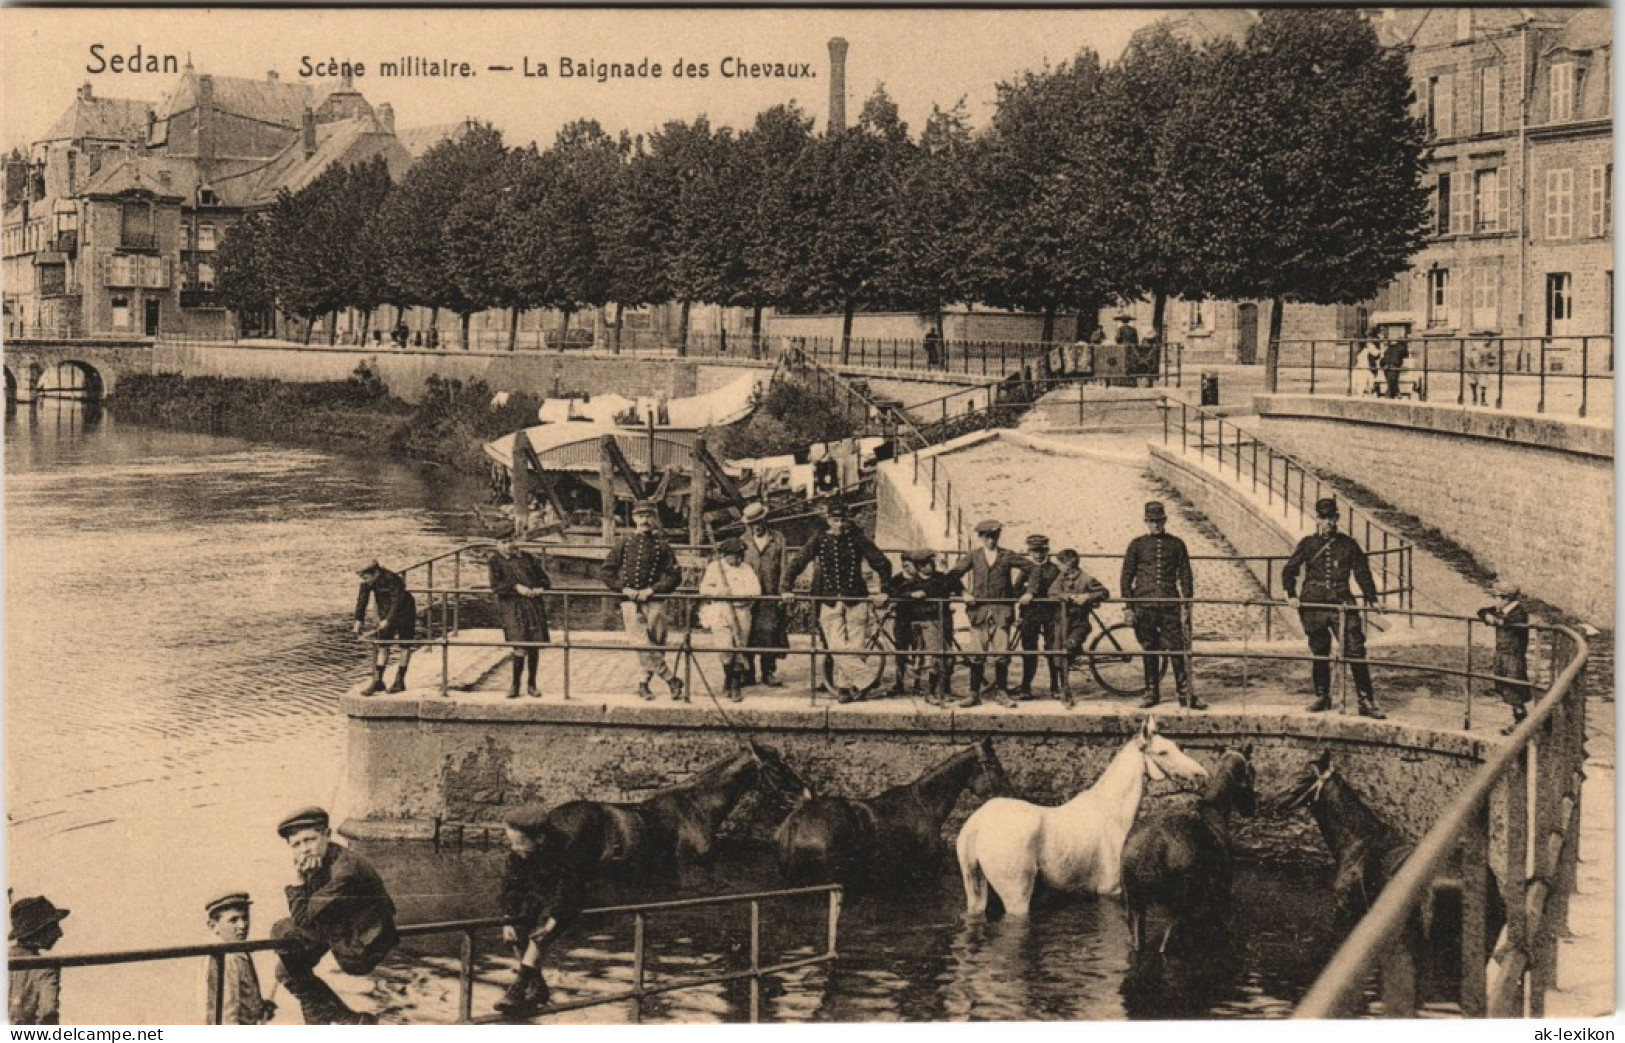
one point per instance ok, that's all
(677, 826)
(1178, 860)
(889, 838)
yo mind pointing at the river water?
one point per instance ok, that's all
(177, 636)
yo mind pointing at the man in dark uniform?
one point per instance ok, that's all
(640, 566)
(843, 609)
(1326, 560)
(1157, 565)
(397, 621)
(995, 576)
(339, 903)
(924, 618)
(1040, 621)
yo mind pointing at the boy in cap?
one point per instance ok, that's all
(729, 585)
(995, 574)
(769, 626)
(842, 592)
(1510, 619)
(1040, 621)
(339, 903)
(641, 566)
(397, 620)
(1327, 559)
(1081, 592)
(240, 1000)
(1157, 567)
(920, 596)
(518, 580)
(35, 995)
(543, 889)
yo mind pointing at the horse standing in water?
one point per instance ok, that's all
(886, 839)
(677, 826)
(1010, 845)
(1179, 860)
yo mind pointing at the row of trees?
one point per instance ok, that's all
(1286, 166)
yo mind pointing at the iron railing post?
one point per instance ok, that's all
(1461, 372)
(217, 988)
(833, 923)
(1540, 406)
(1475, 882)
(1312, 345)
(755, 962)
(637, 968)
(1500, 371)
(1585, 372)
(566, 646)
(1467, 682)
(465, 980)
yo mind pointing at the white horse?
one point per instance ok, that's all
(1010, 844)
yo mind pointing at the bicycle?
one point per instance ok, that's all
(1116, 658)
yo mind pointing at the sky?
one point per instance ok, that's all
(922, 57)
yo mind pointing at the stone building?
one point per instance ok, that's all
(125, 203)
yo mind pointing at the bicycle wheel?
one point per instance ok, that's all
(869, 671)
(1114, 659)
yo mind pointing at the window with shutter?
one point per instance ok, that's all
(1596, 201)
(1489, 99)
(1562, 100)
(1461, 207)
(1442, 205)
(1439, 297)
(1486, 308)
(1559, 204)
(1487, 200)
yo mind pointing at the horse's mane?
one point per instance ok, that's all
(704, 777)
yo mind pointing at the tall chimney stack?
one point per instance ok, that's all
(837, 85)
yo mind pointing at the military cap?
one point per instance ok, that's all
(30, 916)
(755, 512)
(920, 557)
(1155, 511)
(1035, 541)
(304, 818)
(731, 545)
(527, 819)
(369, 568)
(229, 900)
(1326, 507)
(645, 507)
(835, 508)
(1125, 318)
(988, 527)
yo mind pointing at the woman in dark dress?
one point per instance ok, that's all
(518, 580)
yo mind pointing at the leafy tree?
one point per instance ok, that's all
(762, 275)
(367, 286)
(1295, 166)
(417, 261)
(1044, 189)
(242, 267)
(566, 238)
(931, 228)
(473, 240)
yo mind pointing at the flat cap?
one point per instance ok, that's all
(1036, 540)
(645, 507)
(1326, 507)
(1068, 554)
(920, 557)
(731, 545)
(228, 900)
(1155, 511)
(304, 818)
(987, 527)
(755, 512)
(1507, 591)
(369, 568)
(529, 818)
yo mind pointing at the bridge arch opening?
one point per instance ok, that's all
(72, 379)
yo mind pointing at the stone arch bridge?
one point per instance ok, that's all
(45, 369)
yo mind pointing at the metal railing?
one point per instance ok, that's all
(1291, 484)
(1537, 774)
(1570, 374)
(640, 991)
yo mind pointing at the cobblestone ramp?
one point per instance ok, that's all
(1095, 505)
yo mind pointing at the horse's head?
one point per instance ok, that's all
(774, 774)
(1163, 759)
(1234, 783)
(990, 780)
(1305, 786)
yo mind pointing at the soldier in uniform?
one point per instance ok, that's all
(640, 566)
(1041, 621)
(996, 574)
(769, 627)
(339, 903)
(1510, 619)
(1326, 560)
(397, 620)
(241, 1002)
(924, 618)
(843, 593)
(1156, 566)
